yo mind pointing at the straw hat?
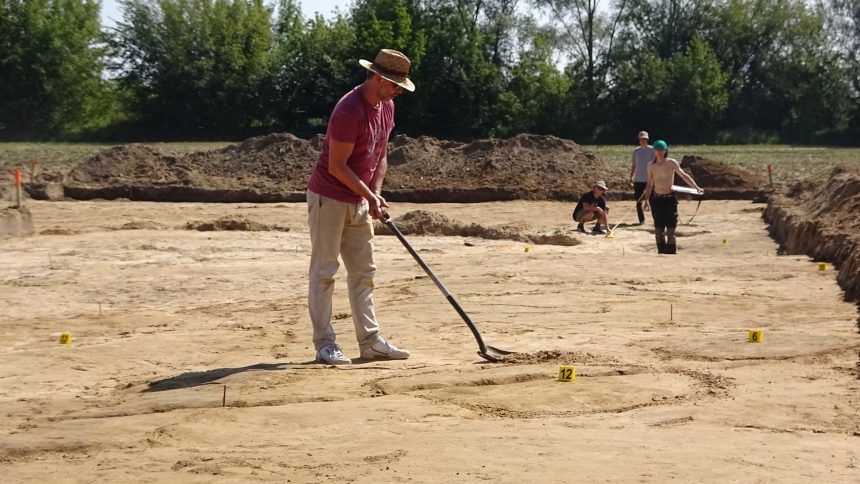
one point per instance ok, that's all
(601, 184)
(391, 65)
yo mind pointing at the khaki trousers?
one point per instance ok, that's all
(344, 229)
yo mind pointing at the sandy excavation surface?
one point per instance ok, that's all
(166, 309)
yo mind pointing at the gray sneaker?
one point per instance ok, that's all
(383, 349)
(332, 355)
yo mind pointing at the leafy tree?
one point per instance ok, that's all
(589, 35)
(782, 73)
(680, 98)
(637, 99)
(387, 24)
(196, 67)
(697, 95)
(534, 100)
(50, 67)
(316, 67)
(461, 77)
(842, 21)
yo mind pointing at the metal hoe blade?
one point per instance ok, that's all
(488, 353)
(494, 354)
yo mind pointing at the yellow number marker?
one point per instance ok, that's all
(756, 336)
(566, 373)
(65, 339)
(725, 241)
(527, 249)
(822, 266)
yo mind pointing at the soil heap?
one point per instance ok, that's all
(263, 169)
(720, 180)
(276, 167)
(237, 223)
(523, 167)
(423, 222)
(820, 220)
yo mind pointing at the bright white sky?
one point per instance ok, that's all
(111, 12)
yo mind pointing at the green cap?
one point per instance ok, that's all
(660, 145)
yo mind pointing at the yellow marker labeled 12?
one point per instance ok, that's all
(566, 373)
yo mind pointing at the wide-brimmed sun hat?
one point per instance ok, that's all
(391, 65)
(643, 134)
(601, 184)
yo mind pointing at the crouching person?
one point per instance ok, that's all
(592, 206)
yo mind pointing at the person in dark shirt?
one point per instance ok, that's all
(592, 206)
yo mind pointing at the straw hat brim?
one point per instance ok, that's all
(401, 81)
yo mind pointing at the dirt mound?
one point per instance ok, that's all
(276, 167)
(821, 220)
(134, 163)
(721, 180)
(557, 356)
(58, 231)
(143, 225)
(263, 169)
(423, 222)
(523, 167)
(234, 223)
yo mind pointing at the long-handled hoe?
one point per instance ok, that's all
(488, 353)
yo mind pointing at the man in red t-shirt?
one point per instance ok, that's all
(344, 195)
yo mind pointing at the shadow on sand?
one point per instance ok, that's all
(210, 377)
(197, 378)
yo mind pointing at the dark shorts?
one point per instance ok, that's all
(664, 209)
(577, 215)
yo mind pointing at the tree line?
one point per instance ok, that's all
(694, 71)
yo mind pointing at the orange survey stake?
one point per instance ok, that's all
(18, 177)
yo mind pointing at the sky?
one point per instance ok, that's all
(111, 12)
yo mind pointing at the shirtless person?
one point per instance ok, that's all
(661, 177)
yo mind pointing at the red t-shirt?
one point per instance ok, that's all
(354, 121)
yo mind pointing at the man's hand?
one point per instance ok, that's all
(377, 206)
(646, 206)
(700, 190)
